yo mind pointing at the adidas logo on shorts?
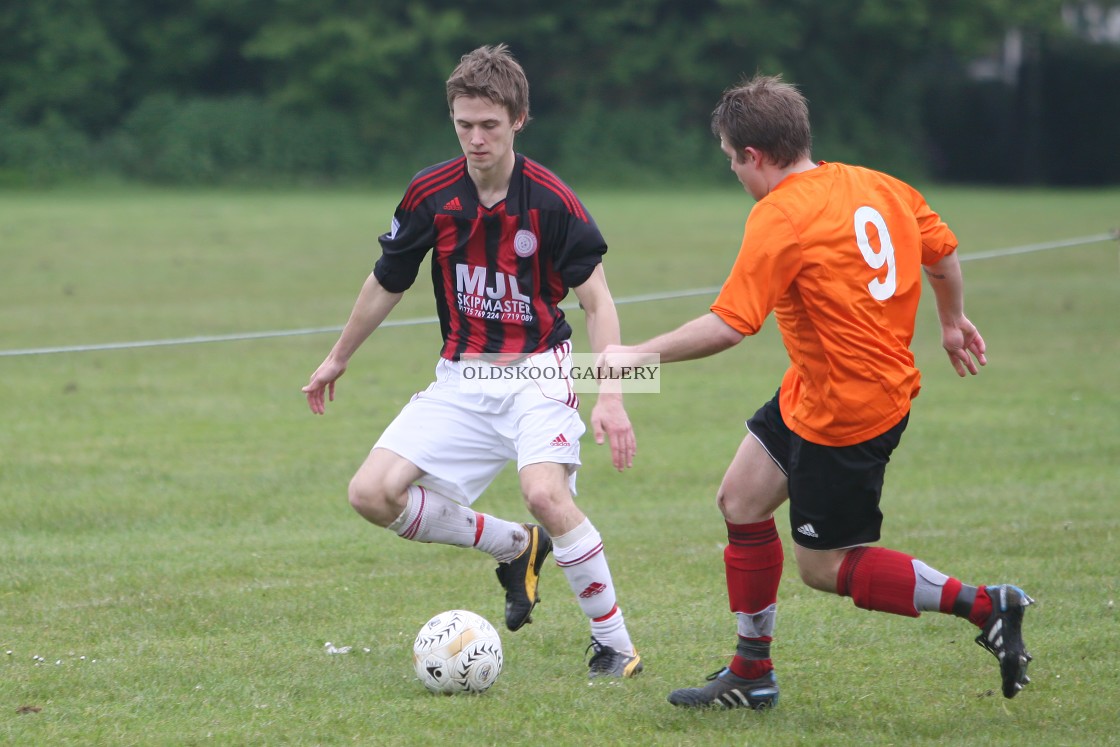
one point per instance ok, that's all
(808, 530)
(560, 441)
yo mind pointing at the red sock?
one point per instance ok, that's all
(952, 603)
(981, 608)
(878, 579)
(752, 669)
(753, 560)
(949, 593)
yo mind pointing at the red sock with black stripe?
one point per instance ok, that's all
(753, 560)
(889, 581)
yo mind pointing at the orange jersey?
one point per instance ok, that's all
(836, 253)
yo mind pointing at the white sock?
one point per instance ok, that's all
(579, 553)
(431, 517)
(611, 630)
(505, 540)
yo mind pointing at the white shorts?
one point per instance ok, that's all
(462, 440)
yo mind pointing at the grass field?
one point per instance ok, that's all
(176, 548)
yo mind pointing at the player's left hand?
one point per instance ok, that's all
(609, 420)
(963, 343)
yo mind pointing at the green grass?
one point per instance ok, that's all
(176, 546)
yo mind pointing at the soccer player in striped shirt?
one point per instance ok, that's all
(836, 252)
(508, 240)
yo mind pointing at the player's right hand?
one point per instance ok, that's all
(323, 381)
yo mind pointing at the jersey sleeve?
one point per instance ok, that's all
(403, 248)
(769, 260)
(579, 245)
(938, 240)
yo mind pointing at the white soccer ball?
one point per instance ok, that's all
(457, 652)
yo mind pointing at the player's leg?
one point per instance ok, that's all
(753, 488)
(834, 511)
(836, 492)
(544, 428)
(578, 550)
(379, 489)
(426, 470)
(881, 579)
(384, 492)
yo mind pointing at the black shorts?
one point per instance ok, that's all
(834, 491)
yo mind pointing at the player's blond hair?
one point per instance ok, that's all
(765, 113)
(491, 73)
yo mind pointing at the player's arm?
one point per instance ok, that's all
(598, 306)
(370, 309)
(704, 336)
(959, 336)
(608, 417)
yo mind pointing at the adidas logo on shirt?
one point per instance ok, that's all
(454, 204)
(808, 530)
(560, 441)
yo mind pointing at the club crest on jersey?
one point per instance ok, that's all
(525, 243)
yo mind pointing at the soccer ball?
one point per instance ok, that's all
(457, 652)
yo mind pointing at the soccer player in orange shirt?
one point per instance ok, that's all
(836, 252)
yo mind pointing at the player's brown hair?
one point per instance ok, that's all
(765, 113)
(491, 73)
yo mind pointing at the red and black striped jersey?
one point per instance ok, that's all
(499, 273)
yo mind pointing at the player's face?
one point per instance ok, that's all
(744, 164)
(485, 132)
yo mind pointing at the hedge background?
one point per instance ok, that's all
(281, 91)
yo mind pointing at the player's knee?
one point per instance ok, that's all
(371, 498)
(537, 499)
(362, 498)
(724, 505)
(545, 501)
(738, 508)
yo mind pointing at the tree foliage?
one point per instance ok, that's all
(616, 86)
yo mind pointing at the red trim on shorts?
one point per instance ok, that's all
(560, 352)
